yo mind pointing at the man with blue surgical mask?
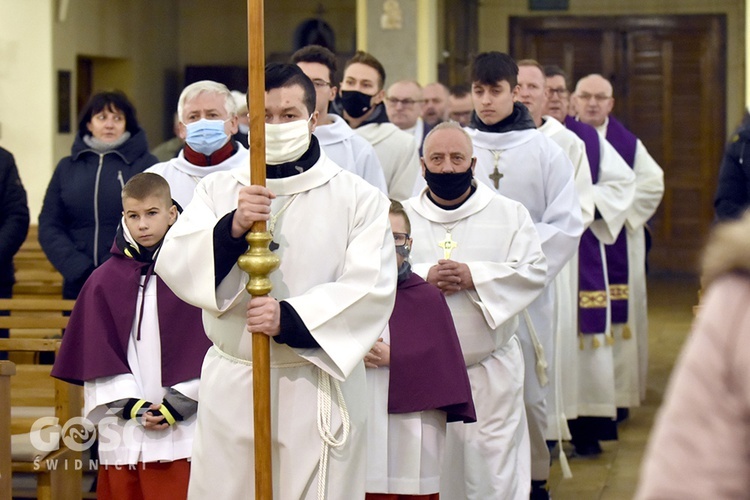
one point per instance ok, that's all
(208, 119)
(331, 299)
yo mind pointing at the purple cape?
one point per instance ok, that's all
(95, 343)
(592, 285)
(427, 369)
(625, 144)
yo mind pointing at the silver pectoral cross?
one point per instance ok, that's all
(447, 245)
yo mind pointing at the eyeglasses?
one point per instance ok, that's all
(400, 238)
(321, 83)
(394, 101)
(598, 97)
(559, 91)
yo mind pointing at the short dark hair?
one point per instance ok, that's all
(490, 68)
(459, 91)
(317, 54)
(112, 100)
(397, 208)
(146, 184)
(367, 59)
(554, 70)
(282, 75)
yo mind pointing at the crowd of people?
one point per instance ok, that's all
(462, 283)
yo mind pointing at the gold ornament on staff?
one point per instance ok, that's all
(259, 261)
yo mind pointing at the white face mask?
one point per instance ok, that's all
(286, 142)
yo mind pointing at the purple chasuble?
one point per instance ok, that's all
(427, 369)
(617, 254)
(592, 285)
(95, 343)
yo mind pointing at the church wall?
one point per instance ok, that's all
(26, 91)
(494, 30)
(223, 41)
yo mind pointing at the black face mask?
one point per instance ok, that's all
(355, 103)
(448, 186)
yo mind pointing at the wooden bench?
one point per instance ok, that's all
(41, 317)
(35, 275)
(31, 386)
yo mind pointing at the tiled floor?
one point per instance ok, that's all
(614, 474)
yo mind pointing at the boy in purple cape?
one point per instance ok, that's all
(137, 349)
(424, 386)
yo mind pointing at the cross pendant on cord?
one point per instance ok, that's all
(447, 245)
(495, 176)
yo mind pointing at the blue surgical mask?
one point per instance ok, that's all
(206, 136)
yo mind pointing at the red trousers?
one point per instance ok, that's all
(394, 496)
(155, 480)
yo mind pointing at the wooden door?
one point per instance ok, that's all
(668, 74)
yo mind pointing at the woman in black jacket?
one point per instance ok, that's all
(14, 225)
(82, 206)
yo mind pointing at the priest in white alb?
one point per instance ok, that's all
(519, 162)
(562, 375)
(626, 257)
(342, 145)
(362, 93)
(331, 299)
(590, 407)
(482, 250)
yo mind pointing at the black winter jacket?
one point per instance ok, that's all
(83, 206)
(733, 189)
(14, 217)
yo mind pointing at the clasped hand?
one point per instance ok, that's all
(379, 355)
(450, 276)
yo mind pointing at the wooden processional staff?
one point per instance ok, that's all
(259, 261)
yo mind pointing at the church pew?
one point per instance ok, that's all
(32, 387)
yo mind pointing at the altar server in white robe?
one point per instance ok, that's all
(417, 382)
(590, 399)
(594, 103)
(486, 257)
(519, 162)
(208, 118)
(331, 299)
(562, 376)
(362, 96)
(340, 143)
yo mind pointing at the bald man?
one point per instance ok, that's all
(435, 108)
(593, 101)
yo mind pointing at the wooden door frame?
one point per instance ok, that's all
(618, 66)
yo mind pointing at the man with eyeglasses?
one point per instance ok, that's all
(403, 103)
(588, 381)
(208, 121)
(626, 258)
(350, 151)
(362, 105)
(483, 252)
